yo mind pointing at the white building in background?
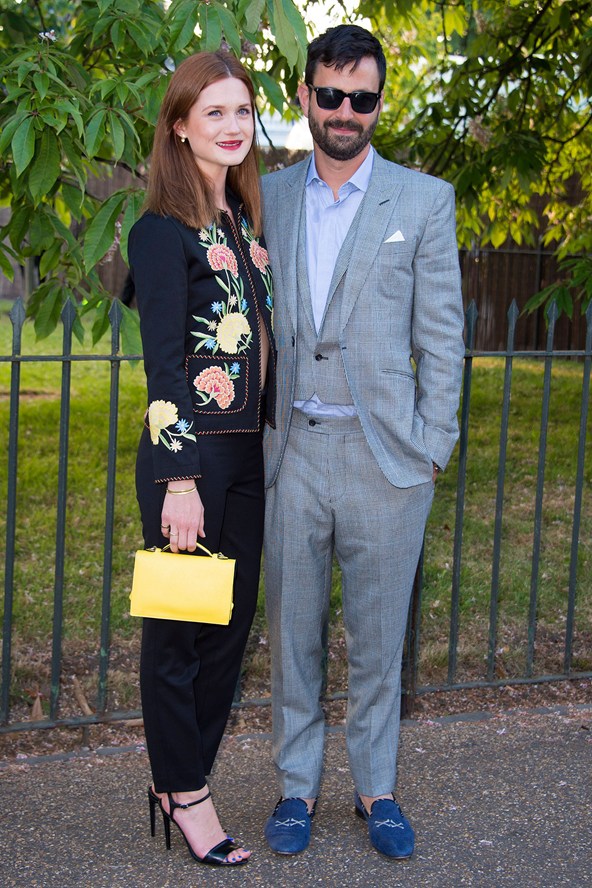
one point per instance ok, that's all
(294, 135)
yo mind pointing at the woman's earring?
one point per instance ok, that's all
(183, 139)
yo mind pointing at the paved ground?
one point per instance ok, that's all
(502, 801)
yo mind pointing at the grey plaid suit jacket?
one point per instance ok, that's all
(401, 318)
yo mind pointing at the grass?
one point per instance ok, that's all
(518, 524)
(87, 475)
(87, 470)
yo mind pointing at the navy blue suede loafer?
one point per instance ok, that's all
(389, 830)
(288, 829)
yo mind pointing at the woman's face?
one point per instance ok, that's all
(219, 126)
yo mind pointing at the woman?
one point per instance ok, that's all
(204, 294)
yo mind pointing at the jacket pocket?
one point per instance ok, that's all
(217, 386)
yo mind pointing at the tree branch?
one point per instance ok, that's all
(40, 13)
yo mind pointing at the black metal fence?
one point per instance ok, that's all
(66, 359)
(549, 357)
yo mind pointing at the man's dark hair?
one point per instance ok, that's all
(343, 46)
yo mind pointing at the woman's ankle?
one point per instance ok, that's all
(191, 795)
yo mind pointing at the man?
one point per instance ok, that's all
(368, 322)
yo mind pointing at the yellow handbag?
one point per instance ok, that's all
(175, 586)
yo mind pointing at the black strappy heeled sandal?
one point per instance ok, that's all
(216, 856)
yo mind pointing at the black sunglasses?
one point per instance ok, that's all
(330, 99)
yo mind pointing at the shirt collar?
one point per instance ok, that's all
(360, 179)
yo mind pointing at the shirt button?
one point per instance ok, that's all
(312, 422)
(318, 357)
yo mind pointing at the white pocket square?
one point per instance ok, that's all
(395, 238)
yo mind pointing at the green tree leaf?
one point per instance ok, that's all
(284, 32)
(131, 340)
(41, 231)
(253, 12)
(271, 89)
(48, 315)
(184, 17)
(46, 168)
(101, 321)
(41, 81)
(95, 132)
(211, 28)
(20, 222)
(10, 128)
(5, 264)
(131, 215)
(229, 28)
(100, 233)
(23, 145)
(117, 135)
(50, 259)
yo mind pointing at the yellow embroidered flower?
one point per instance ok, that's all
(230, 329)
(160, 415)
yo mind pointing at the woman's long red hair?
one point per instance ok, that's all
(176, 186)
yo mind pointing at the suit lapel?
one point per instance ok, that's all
(366, 234)
(287, 217)
(304, 296)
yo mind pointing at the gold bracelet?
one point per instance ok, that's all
(181, 492)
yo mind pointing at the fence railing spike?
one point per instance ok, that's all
(513, 312)
(115, 316)
(552, 312)
(17, 313)
(68, 313)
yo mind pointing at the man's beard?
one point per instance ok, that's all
(336, 146)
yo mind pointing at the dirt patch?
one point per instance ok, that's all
(252, 716)
(255, 718)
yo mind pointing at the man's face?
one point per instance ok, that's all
(342, 134)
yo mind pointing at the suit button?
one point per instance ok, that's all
(312, 422)
(318, 357)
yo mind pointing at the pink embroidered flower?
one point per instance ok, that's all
(220, 256)
(217, 384)
(259, 256)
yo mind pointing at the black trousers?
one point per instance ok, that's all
(189, 671)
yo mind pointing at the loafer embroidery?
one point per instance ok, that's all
(290, 822)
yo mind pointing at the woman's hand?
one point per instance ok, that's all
(182, 518)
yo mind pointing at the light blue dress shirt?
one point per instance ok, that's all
(327, 224)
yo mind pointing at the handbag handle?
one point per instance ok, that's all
(203, 548)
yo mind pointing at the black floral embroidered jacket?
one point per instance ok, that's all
(200, 296)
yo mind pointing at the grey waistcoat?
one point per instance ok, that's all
(319, 365)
